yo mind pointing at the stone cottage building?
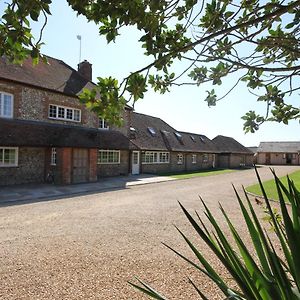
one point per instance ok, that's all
(46, 135)
(278, 153)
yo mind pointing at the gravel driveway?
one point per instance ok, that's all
(88, 247)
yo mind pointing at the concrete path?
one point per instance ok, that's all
(36, 192)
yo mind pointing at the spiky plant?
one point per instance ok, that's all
(262, 276)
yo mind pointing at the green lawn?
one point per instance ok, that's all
(271, 188)
(201, 173)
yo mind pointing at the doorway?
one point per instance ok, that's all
(135, 161)
(80, 165)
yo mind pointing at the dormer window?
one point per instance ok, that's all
(103, 124)
(152, 131)
(6, 105)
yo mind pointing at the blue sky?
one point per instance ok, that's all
(183, 108)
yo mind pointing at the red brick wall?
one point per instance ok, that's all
(93, 164)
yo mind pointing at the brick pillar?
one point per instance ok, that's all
(93, 164)
(66, 162)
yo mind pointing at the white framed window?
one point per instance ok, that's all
(103, 124)
(180, 159)
(6, 105)
(164, 157)
(53, 156)
(108, 156)
(194, 158)
(64, 113)
(8, 156)
(205, 158)
(152, 157)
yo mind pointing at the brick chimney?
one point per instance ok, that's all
(85, 70)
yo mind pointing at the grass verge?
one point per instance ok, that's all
(201, 173)
(270, 186)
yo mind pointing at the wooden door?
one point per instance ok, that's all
(80, 165)
(268, 158)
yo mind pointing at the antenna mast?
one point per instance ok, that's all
(79, 38)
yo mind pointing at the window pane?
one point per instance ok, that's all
(76, 115)
(52, 111)
(7, 106)
(69, 114)
(61, 112)
(8, 156)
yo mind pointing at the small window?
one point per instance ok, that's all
(61, 113)
(8, 157)
(194, 158)
(152, 131)
(178, 135)
(53, 157)
(108, 157)
(164, 157)
(179, 159)
(52, 111)
(6, 105)
(103, 124)
(77, 114)
(205, 158)
(69, 114)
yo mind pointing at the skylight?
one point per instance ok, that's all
(152, 131)
(193, 138)
(178, 135)
(202, 139)
(132, 129)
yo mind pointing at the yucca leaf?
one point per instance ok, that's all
(232, 268)
(213, 274)
(254, 233)
(237, 269)
(280, 276)
(197, 290)
(148, 290)
(293, 234)
(258, 284)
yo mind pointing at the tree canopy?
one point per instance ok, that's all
(258, 41)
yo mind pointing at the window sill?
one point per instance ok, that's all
(108, 163)
(9, 166)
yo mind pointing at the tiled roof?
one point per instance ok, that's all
(143, 138)
(56, 75)
(42, 134)
(253, 149)
(166, 137)
(229, 145)
(285, 147)
(196, 143)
